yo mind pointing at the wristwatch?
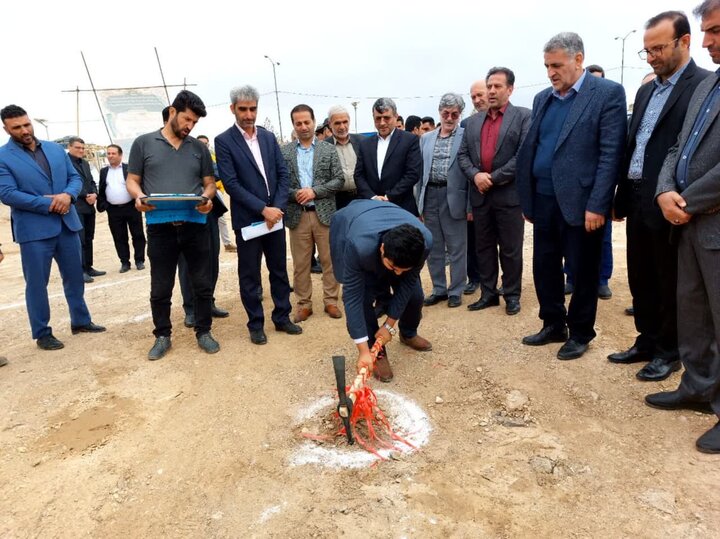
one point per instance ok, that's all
(391, 330)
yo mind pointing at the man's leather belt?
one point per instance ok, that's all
(308, 208)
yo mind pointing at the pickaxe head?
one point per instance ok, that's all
(344, 407)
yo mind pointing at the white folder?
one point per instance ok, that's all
(255, 230)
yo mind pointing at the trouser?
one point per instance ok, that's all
(37, 257)
(343, 198)
(87, 235)
(473, 273)
(186, 289)
(606, 260)
(121, 219)
(411, 316)
(166, 242)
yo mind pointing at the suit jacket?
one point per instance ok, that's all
(587, 154)
(24, 186)
(702, 194)
(242, 178)
(355, 237)
(514, 128)
(663, 137)
(102, 203)
(89, 187)
(401, 169)
(328, 179)
(457, 189)
(355, 140)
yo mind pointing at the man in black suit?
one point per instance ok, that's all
(85, 206)
(658, 114)
(120, 206)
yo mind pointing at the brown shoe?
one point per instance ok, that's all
(382, 370)
(231, 248)
(417, 343)
(302, 314)
(333, 311)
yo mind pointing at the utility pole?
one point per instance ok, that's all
(622, 62)
(355, 104)
(277, 99)
(43, 122)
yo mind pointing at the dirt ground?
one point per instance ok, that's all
(96, 441)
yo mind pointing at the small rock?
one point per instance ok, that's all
(218, 515)
(515, 400)
(541, 464)
(478, 369)
(439, 400)
(594, 396)
(483, 423)
(22, 449)
(659, 499)
(396, 455)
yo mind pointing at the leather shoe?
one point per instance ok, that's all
(471, 288)
(434, 299)
(547, 335)
(124, 268)
(289, 328)
(382, 370)
(257, 336)
(417, 343)
(484, 302)
(333, 311)
(302, 314)
(208, 343)
(674, 400)
(454, 301)
(631, 355)
(87, 279)
(140, 265)
(512, 306)
(189, 321)
(315, 266)
(657, 370)
(231, 248)
(49, 342)
(630, 311)
(217, 312)
(92, 272)
(88, 328)
(572, 350)
(710, 441)
(604, 292)
(161, 346)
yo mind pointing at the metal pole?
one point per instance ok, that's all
(97, 99)
(355, 104)
(43, 122)
(622, 62)
(277, 98)
(77, 111)
(162, 75)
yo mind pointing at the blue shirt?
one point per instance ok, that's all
(681, 171)
(305, 158)
(661, 93)
(574, 89)
(38, 156)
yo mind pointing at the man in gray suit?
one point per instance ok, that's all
(315, 177)
(442, 202)
(688, 194)
(487, 158)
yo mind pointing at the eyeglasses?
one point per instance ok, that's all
(655, 51)
(447, 114)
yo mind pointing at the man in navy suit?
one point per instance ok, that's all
(255, 176)
(567, 168)
(40, 184)
(375, 245)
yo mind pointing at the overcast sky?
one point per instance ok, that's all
(411, 50)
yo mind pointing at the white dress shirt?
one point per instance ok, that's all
(383, 144)
(254, 145)
(115, 190)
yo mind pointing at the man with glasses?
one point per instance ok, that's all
(658, 115)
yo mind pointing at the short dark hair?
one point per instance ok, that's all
(165, 114)
(404, 245)
(412, 122)
(203, 137)
(509, 75)
(401, 119)
(681, 25)
(302, 107)
(188, 100)
(594, 68)
(118, 148)
(428, 119)
(12, 111)
(73, 140)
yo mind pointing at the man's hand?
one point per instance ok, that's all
(272, 216)
(383, 334)
(141, 205)
(60, 203)
(303, 196)
(205, 206)
(469, 217)
(380, 197)
(673, 208)
(364, 358)
(593, 221)
(91, 198)
(483, 182)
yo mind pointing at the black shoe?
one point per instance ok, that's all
(87, 278)
(572, 350)
(161, 346)
(631, 355)
(547, 335)
(512, 306)
(49, 342)
(92, 272)
(315, 267)
(124, 267)
(454, 301)
(604, 292)
(630, 311)
(140, 265)
(484, 302)
(89, 328)
(289, 328)
(710, 441)
(674, 400)
(208, 343)
(217, 312)
(434, 299)
(657, 370)
(501, 291)
(471, 288)
(569, 289)
(189, 321)
(257, 336)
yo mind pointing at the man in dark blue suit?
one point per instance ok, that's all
(376, 245)
(567, 168)
(40, 184)
(254, 174)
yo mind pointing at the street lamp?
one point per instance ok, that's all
(622, 63)
(355, 104)
(277, 99)
(43, 122)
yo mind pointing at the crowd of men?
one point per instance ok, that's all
(456, 195)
